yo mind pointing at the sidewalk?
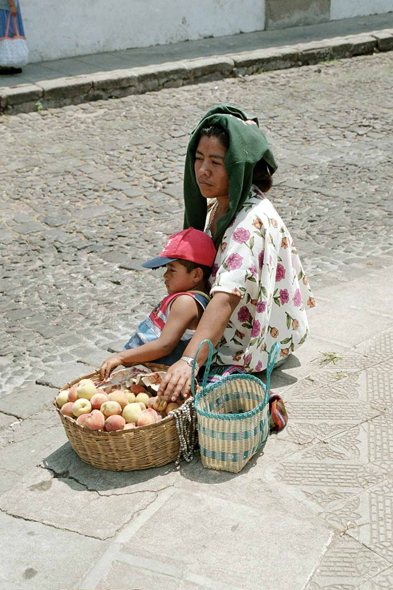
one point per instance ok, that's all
(313, 511)
(135, 71)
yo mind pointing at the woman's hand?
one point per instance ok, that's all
(107, 366)
(176, 381)
(211, 327)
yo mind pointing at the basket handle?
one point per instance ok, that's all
(271, 360)
(207, 368)
(7, 30)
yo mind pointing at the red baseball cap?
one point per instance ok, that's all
(190, 244)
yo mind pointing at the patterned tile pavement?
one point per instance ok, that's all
(341, 416)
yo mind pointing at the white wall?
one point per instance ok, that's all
(350, 8)
(67, 28)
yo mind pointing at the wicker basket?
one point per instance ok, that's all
(124, 450)
(233, 417)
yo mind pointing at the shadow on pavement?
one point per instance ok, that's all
(66, 464)
(195, 471)
(279, 378)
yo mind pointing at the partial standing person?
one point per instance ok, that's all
(258, 286)
(13, 47)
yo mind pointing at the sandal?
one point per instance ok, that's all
(10, 71)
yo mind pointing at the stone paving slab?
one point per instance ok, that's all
(65, 504)
(345, 326)
(66, 464)
(93, 359)
(367, 298)
(205, 553)
(338, 467)
(298, 366)
(383, 580)
(25, 566)
(200, 556)
(147, 574)
(24, 444)
(366, 518)
(381, 346)
(346, 564)
(6, 420)
(58, 379)
(27, 400)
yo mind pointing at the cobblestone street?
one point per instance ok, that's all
(87, 192)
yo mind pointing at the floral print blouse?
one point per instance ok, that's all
(257, 260)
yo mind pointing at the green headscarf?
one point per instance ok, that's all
(247, 145)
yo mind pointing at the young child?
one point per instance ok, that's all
(164, 335)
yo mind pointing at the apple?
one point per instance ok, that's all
(137, 389)
(132, 412)
(159, 404)
(81, 406)
(95, 420)
(82, 419)
(66, 409)
(170, 407)
(72, 394)
(86, 389)
(114, 423)
(147, 417)
(143, 397)
(62, 398)
(119, 396)
(97, 400)
(130, 396)
(110, 408)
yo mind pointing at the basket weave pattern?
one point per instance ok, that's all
(124, 450)
(233, 422)
(233, 415)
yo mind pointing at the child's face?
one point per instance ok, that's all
(177, 278)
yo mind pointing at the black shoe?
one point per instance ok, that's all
(10, 71)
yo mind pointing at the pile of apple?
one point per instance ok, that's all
(121, 409)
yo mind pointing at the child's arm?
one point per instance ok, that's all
(184, 311)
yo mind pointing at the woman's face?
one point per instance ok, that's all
(210, 172)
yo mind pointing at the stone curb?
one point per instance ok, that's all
(119, 83)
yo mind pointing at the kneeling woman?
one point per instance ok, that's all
(260, 292)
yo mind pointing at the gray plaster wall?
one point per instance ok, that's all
(292, 13)
(57, 30)
(280, 14)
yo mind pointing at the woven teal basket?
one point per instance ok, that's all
(233, 416)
